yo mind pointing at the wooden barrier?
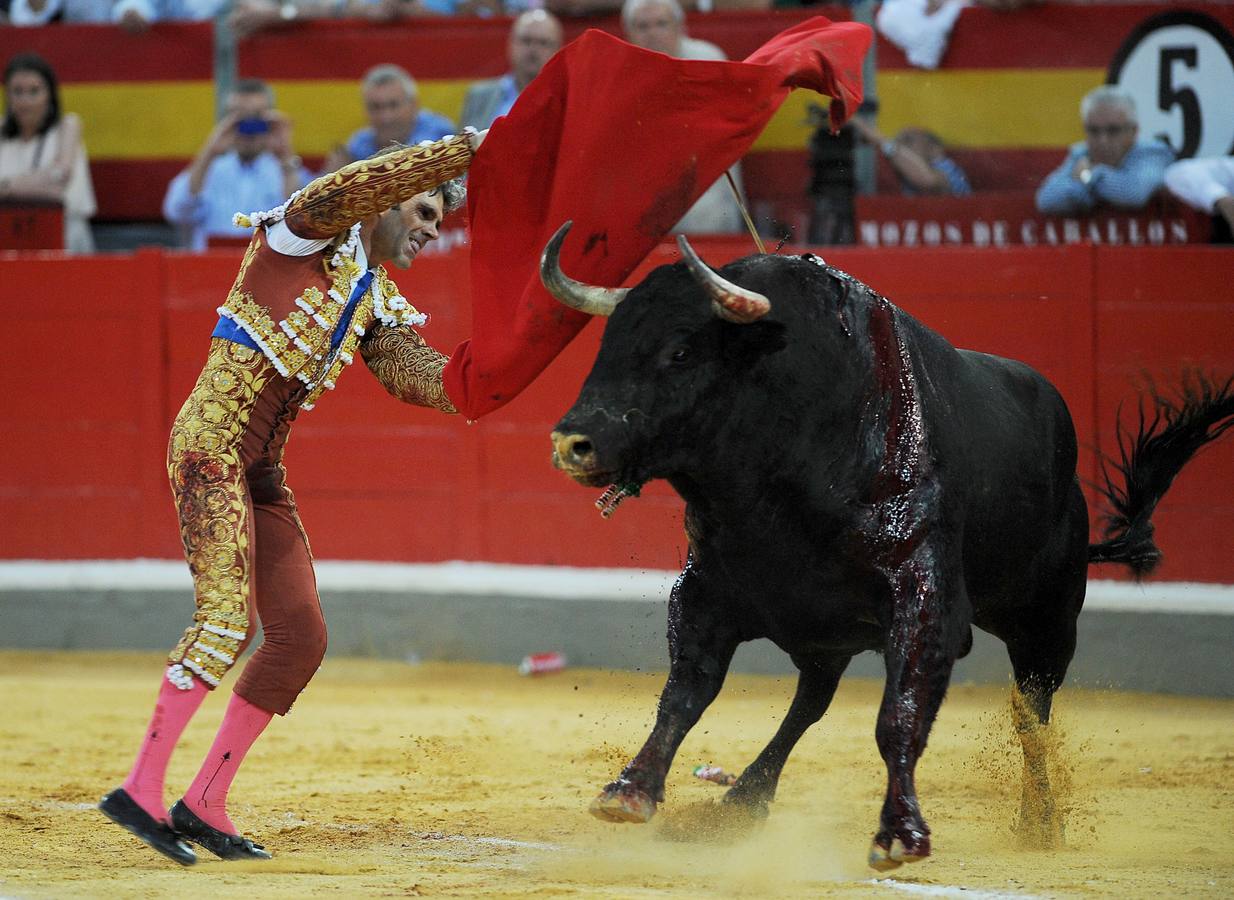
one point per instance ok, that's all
(31, 225)
(1010, 218)
(94, 378)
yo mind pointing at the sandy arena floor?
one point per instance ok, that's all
(392, 780)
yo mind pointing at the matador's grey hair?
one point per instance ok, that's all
(453, 194)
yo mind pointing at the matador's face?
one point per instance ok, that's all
(402, 232)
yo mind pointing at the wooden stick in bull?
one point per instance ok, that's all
(622, 141)
(745, 214)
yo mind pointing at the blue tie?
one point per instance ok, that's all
(344, 321)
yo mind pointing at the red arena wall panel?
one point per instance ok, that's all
(377, 480)
(1159, 317)
(83, 460)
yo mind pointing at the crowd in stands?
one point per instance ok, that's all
(250, 16)
(248, 162)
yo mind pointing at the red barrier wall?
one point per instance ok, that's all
(95, 375)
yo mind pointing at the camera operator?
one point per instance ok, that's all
(246, 163)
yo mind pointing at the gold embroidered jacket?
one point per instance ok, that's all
(290, 306)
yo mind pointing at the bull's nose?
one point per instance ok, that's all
(573, 451)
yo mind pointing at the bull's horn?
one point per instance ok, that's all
(731, 302)
(596, 301)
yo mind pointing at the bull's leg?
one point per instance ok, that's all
(1041, 642)
(930, 622)
(1040, 654)
(816, 685)
(1039, 660)
(1040, 825)
(700, 650)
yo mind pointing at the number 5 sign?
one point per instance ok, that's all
(1179, 66)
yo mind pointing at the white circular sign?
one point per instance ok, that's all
(1179, 66)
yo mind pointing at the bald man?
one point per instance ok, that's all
(534, 38)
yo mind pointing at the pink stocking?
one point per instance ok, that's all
(207, 795)
(172, 711)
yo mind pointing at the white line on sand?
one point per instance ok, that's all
(947, 890)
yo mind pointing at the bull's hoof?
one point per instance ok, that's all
(896, 853)
(623, 805)
(753, 804)
(880, 858)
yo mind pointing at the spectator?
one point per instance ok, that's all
(250, 16)
(392, 104)
(660, 25)
(534, 38)
(41, 152)
(138, 15)
(43, 12)
(245, 164)
(573, 8)
(919, 159)
(133, 15)
(833, 183)
(1208, 185)
(1110, 166)
(922, 28)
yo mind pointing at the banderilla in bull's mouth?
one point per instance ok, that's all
(612, 497)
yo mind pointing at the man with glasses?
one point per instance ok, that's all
(1109, 167)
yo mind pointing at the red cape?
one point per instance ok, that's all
(622, 141)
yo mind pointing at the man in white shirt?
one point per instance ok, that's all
(246, 163)
(1208, 185)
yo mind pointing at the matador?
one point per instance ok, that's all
(311, 293)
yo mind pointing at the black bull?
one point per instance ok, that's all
(852, 482)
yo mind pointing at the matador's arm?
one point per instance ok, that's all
(336, 201)
(407, 367)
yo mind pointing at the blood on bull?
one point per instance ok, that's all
(852, 482)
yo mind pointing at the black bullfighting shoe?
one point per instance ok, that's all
(221, 844)
(124, 811)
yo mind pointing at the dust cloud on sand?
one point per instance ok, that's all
(391, 780)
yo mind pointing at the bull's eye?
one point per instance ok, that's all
(679, 355)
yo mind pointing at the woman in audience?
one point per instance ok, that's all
(41, 153)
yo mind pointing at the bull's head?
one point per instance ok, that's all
(674, 348)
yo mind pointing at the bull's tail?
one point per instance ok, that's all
(1167, 439)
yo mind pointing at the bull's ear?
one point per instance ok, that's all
(748, 343)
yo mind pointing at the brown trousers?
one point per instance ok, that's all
(245, 546)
